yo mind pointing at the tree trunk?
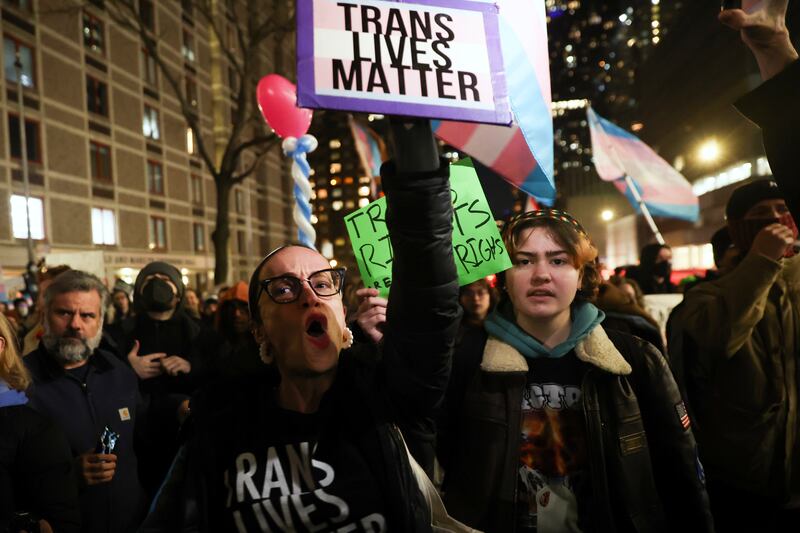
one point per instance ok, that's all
(221, 234)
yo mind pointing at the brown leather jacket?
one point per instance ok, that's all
(645, 475)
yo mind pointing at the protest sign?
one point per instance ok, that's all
(477, 246)
(427, 58)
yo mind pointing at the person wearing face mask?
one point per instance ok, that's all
(742, 372)
(164, 348)
(654, 269)
(555, 423)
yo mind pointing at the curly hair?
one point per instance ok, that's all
(577, 244)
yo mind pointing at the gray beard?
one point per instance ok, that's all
(69, 350)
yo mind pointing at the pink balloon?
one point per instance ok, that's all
(277, 100)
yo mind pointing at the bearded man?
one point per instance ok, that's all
(84, 389)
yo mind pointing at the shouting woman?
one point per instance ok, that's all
(315, 446)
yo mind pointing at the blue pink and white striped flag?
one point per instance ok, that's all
(617, 154)
(523, 153)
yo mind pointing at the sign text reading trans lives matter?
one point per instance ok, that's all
(430, 58)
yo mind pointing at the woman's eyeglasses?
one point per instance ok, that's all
(287, 289)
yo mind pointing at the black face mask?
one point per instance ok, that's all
(157, 295)
(662, 269)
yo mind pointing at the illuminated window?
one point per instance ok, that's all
(104, 226)
(365, 179)
(19, 217)
(336, 193)
(348, 180)
(187, 48)
(349, 204)
(335, 168)
(322, 194)
(363, 191)
(363, 201)
(190, 145)
(334, 182)
(337, 205)
(334, 144)
(150, 127)
(93, 33)
(10, 49)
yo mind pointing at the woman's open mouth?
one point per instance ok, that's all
(316, 326)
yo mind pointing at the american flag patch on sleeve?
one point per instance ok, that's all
(683, 415)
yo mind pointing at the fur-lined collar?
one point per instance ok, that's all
(596, 349)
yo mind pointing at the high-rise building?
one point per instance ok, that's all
(115, 173)
(340, 185)
(596, 50)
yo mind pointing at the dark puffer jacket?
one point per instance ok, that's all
(377, 388)
(645, 475)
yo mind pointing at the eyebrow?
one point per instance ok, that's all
(551, 253)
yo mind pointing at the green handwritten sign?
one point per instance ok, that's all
(477, 246)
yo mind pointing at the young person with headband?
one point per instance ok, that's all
(315, 446)
(558, 424)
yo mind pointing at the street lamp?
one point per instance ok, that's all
(607, 215)
(709, 151)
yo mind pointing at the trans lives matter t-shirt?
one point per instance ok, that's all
(296, 482)
(553, 470)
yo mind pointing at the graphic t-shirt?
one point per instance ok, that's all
(298, 481)
(553, 470)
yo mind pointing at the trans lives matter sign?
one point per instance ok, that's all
(477, 246)
(428, 58)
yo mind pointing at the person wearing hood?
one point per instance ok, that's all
(739, 338)
(558, 424)
(121, 300)
(235, 354)
(624, 312)
(654, 270)
(164, 350)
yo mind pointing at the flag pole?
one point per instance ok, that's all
(645, 211)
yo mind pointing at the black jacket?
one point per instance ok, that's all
(180, 335)
(775, 108)
(36, 472)
(376, 388)
(108, 397)
(645, 475)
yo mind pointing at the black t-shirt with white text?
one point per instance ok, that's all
(299, 474)
(554, 469)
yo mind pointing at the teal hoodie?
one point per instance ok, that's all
(502, 324)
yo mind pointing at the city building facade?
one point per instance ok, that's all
(116, 180)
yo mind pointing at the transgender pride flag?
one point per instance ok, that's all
(522, 153)
(617, 154)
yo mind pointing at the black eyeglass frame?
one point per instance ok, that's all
(263, 285)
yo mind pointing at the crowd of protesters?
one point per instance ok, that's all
(542, 399)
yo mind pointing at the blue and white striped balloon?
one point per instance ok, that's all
(297, 150)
